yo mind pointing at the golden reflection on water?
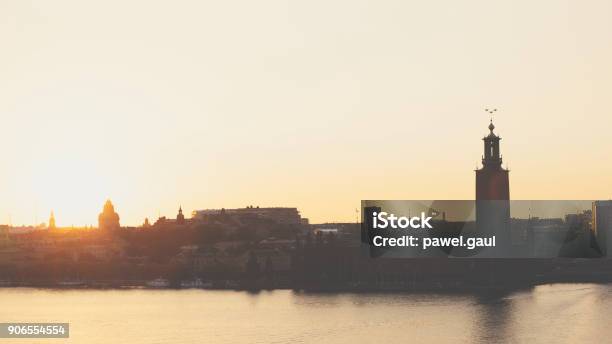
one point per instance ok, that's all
(555, 313)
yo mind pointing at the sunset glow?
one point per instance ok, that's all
(156, 106)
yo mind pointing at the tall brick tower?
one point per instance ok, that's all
(493, 198)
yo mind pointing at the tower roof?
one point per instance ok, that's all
(108, 206)
(491, 133)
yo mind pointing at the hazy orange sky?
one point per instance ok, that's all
(312, 104)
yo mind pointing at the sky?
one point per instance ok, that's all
(308, 104)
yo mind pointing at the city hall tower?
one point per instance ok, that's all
(493, 198)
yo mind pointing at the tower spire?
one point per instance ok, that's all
(52, 220)
(491, 157)
(492, 179)
(180, 218)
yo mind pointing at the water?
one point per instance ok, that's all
(556, 313)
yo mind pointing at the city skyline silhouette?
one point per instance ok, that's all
(306, 171)
(492, 183)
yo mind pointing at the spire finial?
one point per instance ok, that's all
(491, 112)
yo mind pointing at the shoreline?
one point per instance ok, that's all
(431, 289)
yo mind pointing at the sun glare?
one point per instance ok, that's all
(74, 189)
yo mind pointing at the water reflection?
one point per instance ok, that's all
(557, 313)
(494, 319)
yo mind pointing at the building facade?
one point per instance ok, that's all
(285, 216)
(602, 225)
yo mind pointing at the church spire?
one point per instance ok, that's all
(180, 218)
(52, 221)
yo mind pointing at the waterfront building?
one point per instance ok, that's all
(602, 225)
(283, 216)
(179, 222)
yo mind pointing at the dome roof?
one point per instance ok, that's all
(108, 206)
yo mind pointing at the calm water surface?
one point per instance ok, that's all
(555, 313)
